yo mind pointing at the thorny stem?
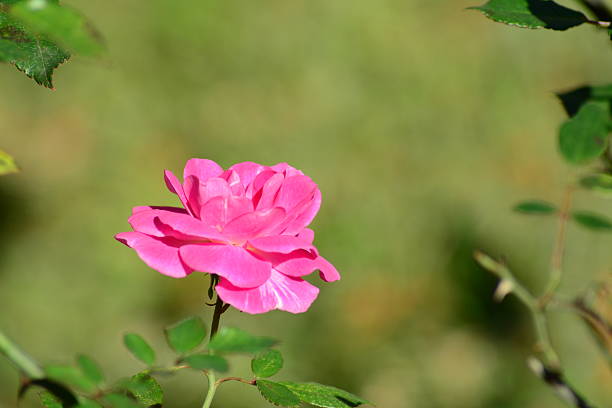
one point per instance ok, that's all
(242, 380)
(556, 259)
(19, 358)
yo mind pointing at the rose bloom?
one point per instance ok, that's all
(246, 224)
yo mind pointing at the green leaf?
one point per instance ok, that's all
(34, 55)
(7, 164)
(70, 376)
(277, 394)
(90, 369)
(186, 335)
(267, 363)
(592, 220)
(584, 137)
(532, 14)
(139, 348)
(324, 395)
(62, 25)
(145, 389)
(536, 207)
(573, 99)
(207, 362)
(121, 401)
(231, 340)
(49, 401)
(601, 183)
(87, 403)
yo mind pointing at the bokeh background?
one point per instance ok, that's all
(421, 122)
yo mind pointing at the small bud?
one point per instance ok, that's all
(503, 289)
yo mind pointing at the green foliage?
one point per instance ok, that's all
(121, 401)
(532, 14)
(267, 363)
(145, 389)
(277, 394)
(324, 395)
(536, 207)
(71, 376)
(186, 335)
(61, 25)
(601, 183)
(37, 35)
(49, 401)
(207, 362)
(592, 221)
(87, 403)
(139, 348)
(584, 136)
(573, 99)
(231, 340)
(90, 369)
(7, 163)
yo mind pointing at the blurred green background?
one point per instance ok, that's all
(421, 122)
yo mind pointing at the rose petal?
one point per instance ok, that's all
(234, 263)
(294, 191)
(175, 186)
(153, 207)
(269, 191)
(218, 211)
(247, 171)
(253, 224)
(282, 292)
(307, 235)
(327, 271)
(161, 223)
(201, 169)
(280, 243)
(161, 254)
(302, 215)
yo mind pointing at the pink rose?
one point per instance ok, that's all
(246, 224)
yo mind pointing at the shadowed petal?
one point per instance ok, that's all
(282, 292)
(269, 191)
(234, 263)
(161, 254)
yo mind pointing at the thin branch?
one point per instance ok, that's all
(214, 327)
(538, 313)
(242, 380)
(556, 259)
(19, 358)
(554, 378)
(598, 8)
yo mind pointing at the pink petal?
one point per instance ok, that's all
(280, 243)
(233, 263)
(218, 211)
(175, 186)
(286, 169)
(307, 235)
(282, 292)
(294, 191)
(254, 190)
(191, 186)
(234, 182)
(269, 191)
(302, 215)
(247, 171)
(201, 169)
(161, 223)
(327, 271)
(153, 207)
(252, 224)
(215, 187)
(161, 254)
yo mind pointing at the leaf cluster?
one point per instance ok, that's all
(36, 36)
